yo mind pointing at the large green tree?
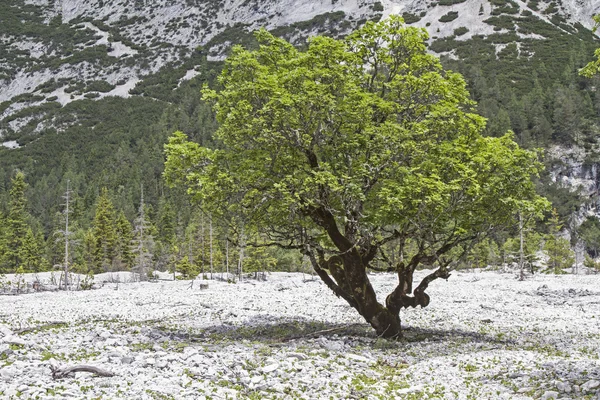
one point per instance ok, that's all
(353, 147)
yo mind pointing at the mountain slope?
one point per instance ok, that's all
(47, 45)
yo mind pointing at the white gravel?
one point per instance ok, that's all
(484, 336)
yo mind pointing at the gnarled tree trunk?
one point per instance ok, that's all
(346, 275)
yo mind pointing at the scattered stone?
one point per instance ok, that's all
(590, 385)
(333, 346)
(526, 389)
(214, 361)
(356, 357)
(298, 356)
(267, 369)
(127, 360)
(563, 387)
(15, 340)
(105, 334)
(4, 331)
(196, 360)
(23, 388)
(549, 395)
(412, 389)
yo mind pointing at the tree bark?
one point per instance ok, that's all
(351, 282)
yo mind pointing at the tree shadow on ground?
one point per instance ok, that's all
(271, 330)
(416, 334)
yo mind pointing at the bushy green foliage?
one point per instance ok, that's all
(450, 2)
(16, 223)
(105, 233)
(449, 16)
(99, 86)
(410, 18)
(461, 31)
(378, 7)
(187, 269)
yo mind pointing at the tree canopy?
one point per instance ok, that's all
(352, 151)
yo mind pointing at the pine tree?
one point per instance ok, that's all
(16, 222)
(105, 234)
(483, 254)
(558, 249)
(85, 257)
(166, 223)
(143, 243)
(123, 251)
(3, 242)
(30, 253)
(166, 248)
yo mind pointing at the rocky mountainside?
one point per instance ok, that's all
(57, 51)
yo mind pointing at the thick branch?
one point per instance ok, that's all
(441, 272)
(328, 281)
(326, 220)
(59, 373)
(289, 246)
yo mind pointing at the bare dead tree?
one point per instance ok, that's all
(66, 235)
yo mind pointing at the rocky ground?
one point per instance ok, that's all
(484, 336)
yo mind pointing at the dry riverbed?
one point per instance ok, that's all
(484, 336)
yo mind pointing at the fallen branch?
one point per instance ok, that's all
(59, 373)
(319, 333)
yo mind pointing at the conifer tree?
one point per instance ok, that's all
(123, 251)
(30, 252)
(558, 249)
(16, 221)
(166, 243)
(105, 234)
(86, 256)
(3, 241)
(143, 242)
(166, 223)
